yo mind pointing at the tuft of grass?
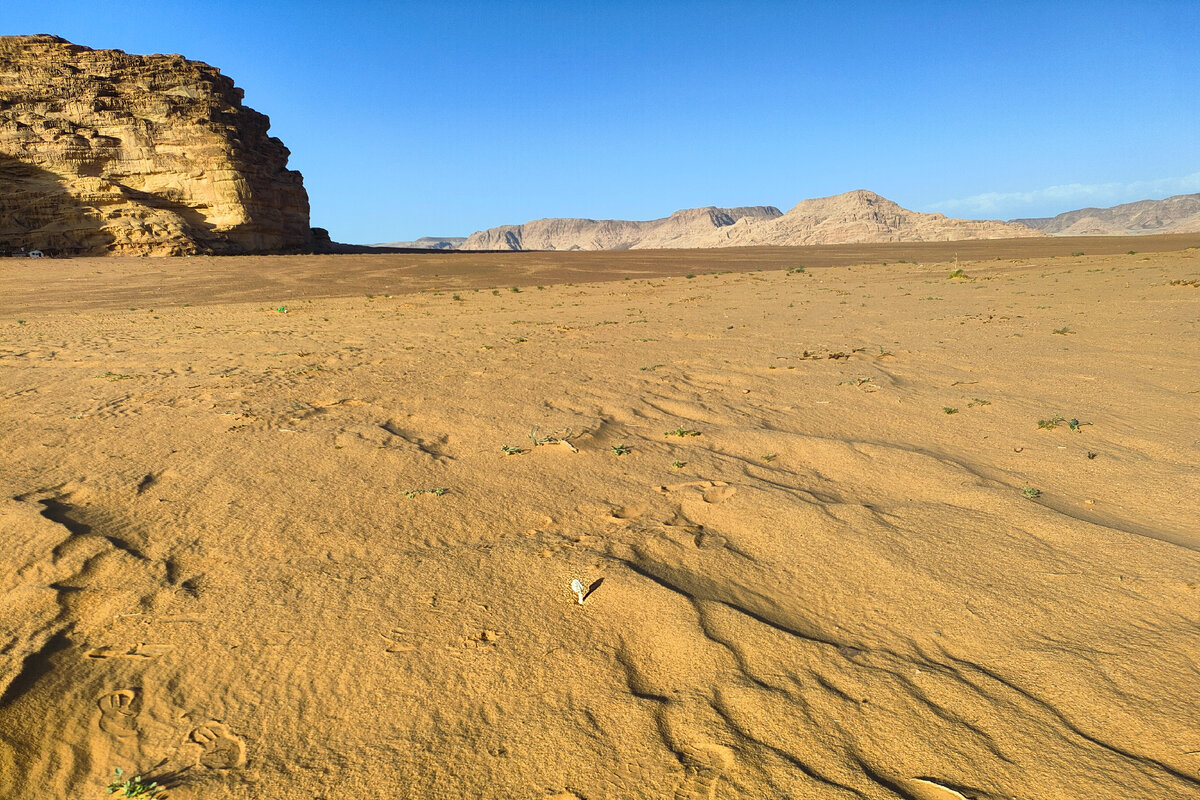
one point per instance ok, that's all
(512, 450)
(515, 289)
(1075, 425)
(133, 787)
(949, 410)
(978, 401)
(1050, 424)
(678, 464)
(621, 449)
(769, 457)
(958, 273)
(690, 275)
(1063, 331)
(681, 432)
(456, 297)
(281, 309)
(1077, 253)
(1031, 492)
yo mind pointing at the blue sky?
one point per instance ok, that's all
(412, 119)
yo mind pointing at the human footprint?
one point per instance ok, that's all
(221, 749)
(118, 712)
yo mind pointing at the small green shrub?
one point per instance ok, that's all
(133, 787)
(681, 432)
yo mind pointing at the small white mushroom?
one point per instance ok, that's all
(577, 588)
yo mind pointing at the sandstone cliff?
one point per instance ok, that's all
(612, 234)
(102, 152)
(857, 216)
(1178, 214)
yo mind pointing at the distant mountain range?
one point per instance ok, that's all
(426, 243)
(676, 230)
(1178, 214)
(852, 217)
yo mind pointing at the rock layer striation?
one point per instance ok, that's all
(106, 153)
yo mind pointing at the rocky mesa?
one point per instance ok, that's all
(613, 234)
(106, 153)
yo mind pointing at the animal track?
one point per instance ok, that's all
(118, 712)
(220, 748)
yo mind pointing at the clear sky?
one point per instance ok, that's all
(441, 118)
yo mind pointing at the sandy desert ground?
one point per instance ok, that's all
(858, 531)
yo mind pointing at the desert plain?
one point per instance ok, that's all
(914, 521)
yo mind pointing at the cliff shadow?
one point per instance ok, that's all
(37, 212)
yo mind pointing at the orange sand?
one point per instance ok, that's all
(221, 569)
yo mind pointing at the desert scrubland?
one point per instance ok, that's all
(305, 527)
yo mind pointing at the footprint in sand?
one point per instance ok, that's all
(704, 766)
(398, 641)
(221, 749)
(628, 512)
(118, 712)
(713, 491)
(719, 494)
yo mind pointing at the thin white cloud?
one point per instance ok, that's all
(1068, 197)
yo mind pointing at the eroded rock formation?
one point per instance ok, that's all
(105, 153)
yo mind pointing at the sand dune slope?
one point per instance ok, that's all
(258, 553)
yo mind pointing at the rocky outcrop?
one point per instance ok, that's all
(612, 234)
(104, 153)
(1178, 214)
(858, 216)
